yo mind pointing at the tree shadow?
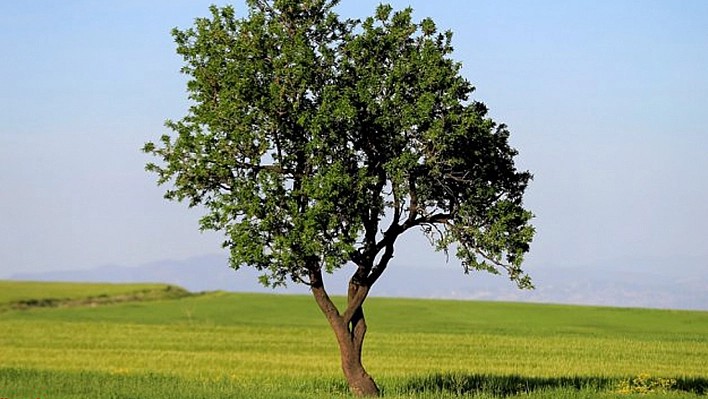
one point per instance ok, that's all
(694, 385)
(502, 386)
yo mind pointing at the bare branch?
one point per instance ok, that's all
(377, 270)
(430, 219)
(491, 259)
(300, 279)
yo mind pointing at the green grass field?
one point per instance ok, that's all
(226, 345)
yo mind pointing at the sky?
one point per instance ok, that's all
(607, 102)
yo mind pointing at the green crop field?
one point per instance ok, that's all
(227, 345)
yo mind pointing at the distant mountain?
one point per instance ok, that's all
(621, 283)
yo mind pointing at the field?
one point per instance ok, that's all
(227, 345)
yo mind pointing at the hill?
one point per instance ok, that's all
(34, 294)
(625, 283)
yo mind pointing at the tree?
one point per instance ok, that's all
(314, 143)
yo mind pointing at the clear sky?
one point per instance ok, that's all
(607, 102)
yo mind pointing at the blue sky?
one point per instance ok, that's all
(607, 102)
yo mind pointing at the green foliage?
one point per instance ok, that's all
(312, 142)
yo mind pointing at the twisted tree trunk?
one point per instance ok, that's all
(349, 329)
(351, 339)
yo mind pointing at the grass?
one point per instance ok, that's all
(28, 294)
(224, 345)
(11, 291)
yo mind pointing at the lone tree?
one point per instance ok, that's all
(314, 143)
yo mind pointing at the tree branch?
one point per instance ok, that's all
(413, 192)
(358, 330)
(377, 270)
(257, 168)
(394, 231)
(396, 208)
(300, 279)
(356, 299)
(322, 298)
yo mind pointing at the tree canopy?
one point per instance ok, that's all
(314, 142)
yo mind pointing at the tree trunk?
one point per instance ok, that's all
(350, 330)
(351, 339)
(360, 382)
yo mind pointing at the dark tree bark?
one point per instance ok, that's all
(350, 330)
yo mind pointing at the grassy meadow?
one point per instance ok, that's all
(228, 345)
